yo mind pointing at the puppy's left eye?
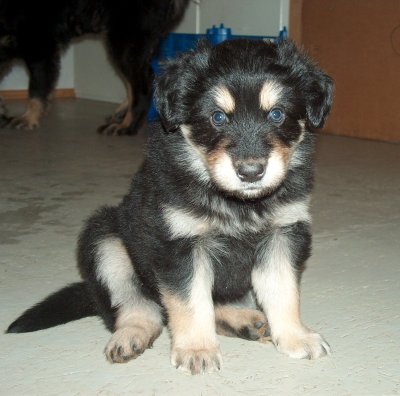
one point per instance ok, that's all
(277, 116)
(219, 118)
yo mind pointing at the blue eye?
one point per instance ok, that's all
(276, 115)
(218, 118)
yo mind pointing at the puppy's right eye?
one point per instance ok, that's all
(218, 118)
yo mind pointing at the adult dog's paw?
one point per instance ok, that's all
(23, 122)
(303, 344)
(197, 361)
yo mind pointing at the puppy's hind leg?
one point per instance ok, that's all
(242, 319)
(135, 320)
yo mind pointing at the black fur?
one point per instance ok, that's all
(68, 304)
(184, 215)
(37, 31)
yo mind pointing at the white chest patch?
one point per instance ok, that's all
(183, 223)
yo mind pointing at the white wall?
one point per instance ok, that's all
(95, 77)
(245, 17)
(86, 67)
(18, 76)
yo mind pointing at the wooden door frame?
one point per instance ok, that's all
(295, 20)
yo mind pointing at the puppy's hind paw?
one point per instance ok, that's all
(249, 324)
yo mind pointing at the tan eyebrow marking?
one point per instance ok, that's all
(269, 95)
(224, 99)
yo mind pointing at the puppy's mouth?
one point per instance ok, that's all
(251, 192)
(251, 181)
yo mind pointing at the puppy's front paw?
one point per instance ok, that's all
(197, 361)
(303, 344)
(126, 344)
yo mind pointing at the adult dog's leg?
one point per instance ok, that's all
(276, 281)
(5, 66)
(121, 119)
(142, 82)
(135, 320)
(43, 74)
(133, 60)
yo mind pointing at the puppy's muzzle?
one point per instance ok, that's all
(250, 172)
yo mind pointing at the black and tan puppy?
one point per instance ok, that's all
(37, 31)
(215, 230)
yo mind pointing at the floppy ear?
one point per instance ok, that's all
(177, 83)
(316, 86)
(319, 96)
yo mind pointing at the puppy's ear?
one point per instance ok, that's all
(177, 86)
(319, 96)
(316, 86)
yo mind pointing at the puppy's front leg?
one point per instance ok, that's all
(276, 283)
(191, 319)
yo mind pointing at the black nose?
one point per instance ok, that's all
(250, 172)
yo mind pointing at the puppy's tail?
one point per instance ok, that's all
(68, 304)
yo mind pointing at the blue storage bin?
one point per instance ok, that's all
(177, 43)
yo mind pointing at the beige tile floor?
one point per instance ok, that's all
(53, 178)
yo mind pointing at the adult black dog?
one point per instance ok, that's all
(37, 31)
(215, 230)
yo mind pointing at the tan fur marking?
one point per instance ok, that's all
(128, 116)
(30, 119)
(34, 111)
(284, 151)
(122, 106)
(195, 347)
(180, 315)
(238, 319)
(269, 95)
(215, 155)
(183, 326)
(224, 99)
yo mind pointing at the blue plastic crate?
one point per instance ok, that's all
(177, 43)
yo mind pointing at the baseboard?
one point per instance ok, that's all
(20, 94)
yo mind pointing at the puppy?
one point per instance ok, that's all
(215, 231)
(37, 31)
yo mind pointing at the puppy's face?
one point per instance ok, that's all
(244, 109)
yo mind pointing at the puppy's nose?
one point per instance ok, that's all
(250, 172)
